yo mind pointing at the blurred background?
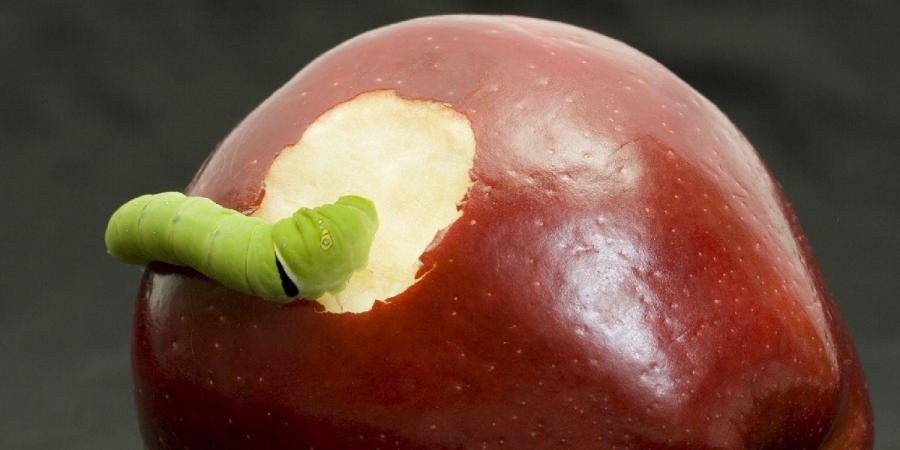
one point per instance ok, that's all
(101, 101)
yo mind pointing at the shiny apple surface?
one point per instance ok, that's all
(625, 274)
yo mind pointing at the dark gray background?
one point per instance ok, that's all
(101, 101)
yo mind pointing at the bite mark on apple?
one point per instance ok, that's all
(411, 157)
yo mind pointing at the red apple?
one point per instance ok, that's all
(621, 272)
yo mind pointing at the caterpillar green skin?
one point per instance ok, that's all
(306, 255)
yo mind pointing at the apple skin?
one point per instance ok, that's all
(626, 274)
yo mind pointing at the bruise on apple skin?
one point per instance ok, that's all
(625, 275)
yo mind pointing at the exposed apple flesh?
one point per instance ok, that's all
(412, 158)
(625, 274)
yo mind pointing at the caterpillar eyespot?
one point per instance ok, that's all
(314, 251)
(325, 241)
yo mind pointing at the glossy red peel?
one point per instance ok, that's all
(625, 274)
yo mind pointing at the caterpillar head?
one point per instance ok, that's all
(318, 249)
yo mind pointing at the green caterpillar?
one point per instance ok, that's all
(306, 255)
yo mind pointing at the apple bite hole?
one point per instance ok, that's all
(411, 157)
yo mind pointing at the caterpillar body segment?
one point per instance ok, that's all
(306, 255)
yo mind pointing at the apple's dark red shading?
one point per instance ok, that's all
(626, 274)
